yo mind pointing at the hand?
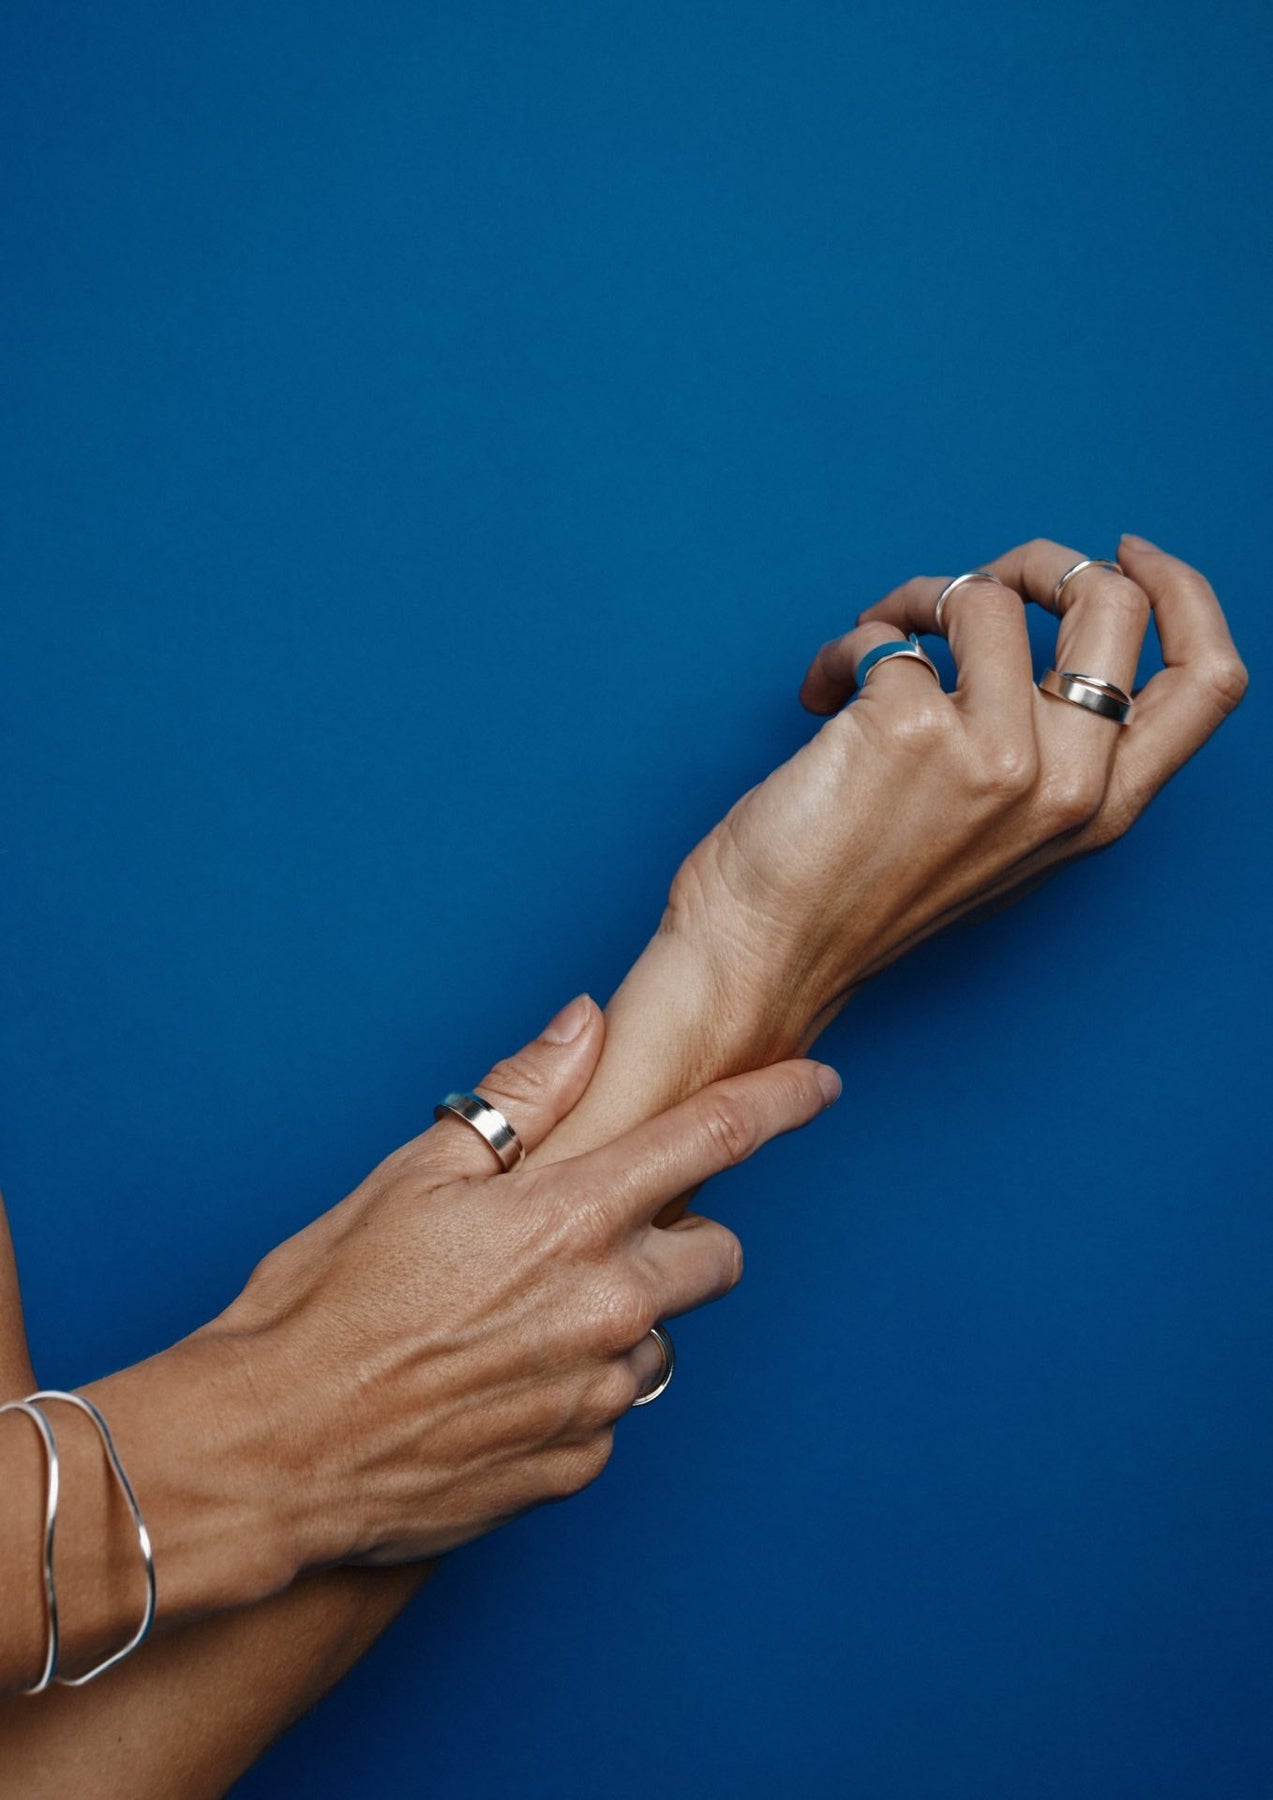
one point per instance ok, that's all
(451, 1345)
(912, 807)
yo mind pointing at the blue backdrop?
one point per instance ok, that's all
(412, 402)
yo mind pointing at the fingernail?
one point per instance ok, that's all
(568, 1023)
(1136, 543)
(829, 1082)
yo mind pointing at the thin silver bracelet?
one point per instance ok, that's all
(51, 1489)
(143, 1536)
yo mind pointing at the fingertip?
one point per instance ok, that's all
(829, 1083)
(570, 1023)
(815, 702)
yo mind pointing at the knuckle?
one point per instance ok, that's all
(1126, 598)
(584, 1217)
(593, 1457)
(1226, 679)
(1001, 605)
(729, 1124)
(574, 1468)
(921, 728)
(1073, 800)
(620, 1311)
(517, 1078)
(608, 1395)
(1123, 805)
(1007, 770)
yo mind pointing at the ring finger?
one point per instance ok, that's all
(1103, 613)
(1103, 618)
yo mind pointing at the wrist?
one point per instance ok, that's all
(227, 1526)
(759, 991)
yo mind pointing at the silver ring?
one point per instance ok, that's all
(870, 660)
(971, 575)
(669, 1366)
(1105, 687)
(1089, 691)
(1087, 562)
(489, 1122)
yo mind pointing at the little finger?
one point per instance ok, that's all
(1202, 682)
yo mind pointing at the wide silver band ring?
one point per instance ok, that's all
(669, 1366)
(1090, 691)
(1086, 562)
(911, 647)
(969, 575)
(489, 1122)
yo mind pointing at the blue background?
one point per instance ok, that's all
(407, 404)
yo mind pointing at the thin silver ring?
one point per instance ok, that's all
(1087, 562)
(669, 1366)
(1089, 692)
(969, 575)
(489, 1123)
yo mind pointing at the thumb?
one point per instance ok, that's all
(534, 1089)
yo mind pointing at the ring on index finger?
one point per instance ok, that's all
(489, 1122)
(870, 660)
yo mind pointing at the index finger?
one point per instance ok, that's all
(715, 1129)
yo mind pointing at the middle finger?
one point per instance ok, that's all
(1103, 613)
(985, 624)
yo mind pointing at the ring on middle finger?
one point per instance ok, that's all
(1085, 562)
(959, 580)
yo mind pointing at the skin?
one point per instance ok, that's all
(503, 1343)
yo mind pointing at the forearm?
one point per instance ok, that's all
(195, 1707)
(185, 1716)
(229, 1528)
(191, 1710)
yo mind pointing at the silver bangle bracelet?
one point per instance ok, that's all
(52, 1487)
(143, 1537)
